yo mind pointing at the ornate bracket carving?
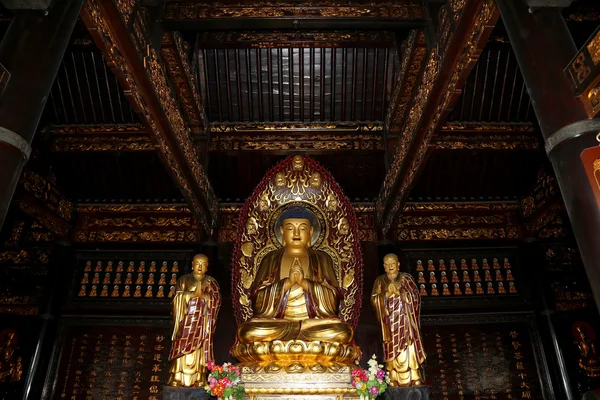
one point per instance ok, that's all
(142, 73)
(463, 30)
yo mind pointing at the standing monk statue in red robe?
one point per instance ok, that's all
(195, 306)
(397, 305)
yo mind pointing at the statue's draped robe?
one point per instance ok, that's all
(297, 313)
(194, 322)
(399, 317)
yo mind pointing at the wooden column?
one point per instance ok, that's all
(544, 47)
(31, 52)
(61, 269)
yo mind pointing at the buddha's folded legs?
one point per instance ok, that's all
(326, 330)
(266, 330)
(323, 330)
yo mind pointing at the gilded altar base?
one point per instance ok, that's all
(297, 380)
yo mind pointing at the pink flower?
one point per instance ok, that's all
(226, 382)
(374, 390)
(380, 374)
(210, 365)
(363, 375)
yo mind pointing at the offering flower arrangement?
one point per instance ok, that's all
(223, 381)
(371, 382)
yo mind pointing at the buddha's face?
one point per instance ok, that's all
(263, 203)
(298, 163)
(251, 226)
(296, 232)
(315, 180)
(331, 202)
(280, 179)
(391, 264)
(344, 226)
(199, 264)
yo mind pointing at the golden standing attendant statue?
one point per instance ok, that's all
(195, 306)
(397, 305)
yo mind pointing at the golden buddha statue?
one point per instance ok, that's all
(195, 306)
(295, 294)
(297, 286)
(395, 298)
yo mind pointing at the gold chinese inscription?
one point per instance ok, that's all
(113, 361)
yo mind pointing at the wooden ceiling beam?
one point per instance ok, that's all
(323, 14)
(458, 221)
(488, 136)
(280, 137)
(279, 39)
(174, 54)
(120, 32)
(98, 138)
(463, 30)
(412, 52)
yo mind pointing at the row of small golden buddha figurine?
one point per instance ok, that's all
(116, 291)
(150, 280)
(456, 277)
(463, 265)
(468, 290)
(131, 267)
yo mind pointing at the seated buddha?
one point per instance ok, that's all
(295, 294)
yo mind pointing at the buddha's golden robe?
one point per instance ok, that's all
(399, 317)
(194, 320)
(309, 315)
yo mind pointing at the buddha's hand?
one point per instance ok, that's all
(297, 274)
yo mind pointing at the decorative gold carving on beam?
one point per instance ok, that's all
(80, 138)
(135, 223)
(289, 127)
(270, 40)
(178, 11)
(414, 50)
(463, 30)
(39, 198)
(462, 136)
(306, 142)
(458, 221)
(174, 54)
(23, 257)
(543, 209)
(142, 74)
(584, 73)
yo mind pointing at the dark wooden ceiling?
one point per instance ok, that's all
(87, 92)
(234, 177)
(495, 90)
(463, 175)
(297, 84)
(123, 177)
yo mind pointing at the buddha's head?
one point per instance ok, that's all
(391, 264)
(199, 265)
(296, 227)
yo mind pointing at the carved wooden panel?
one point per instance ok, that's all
(22, 280)
(492, 357)
(112, 359)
